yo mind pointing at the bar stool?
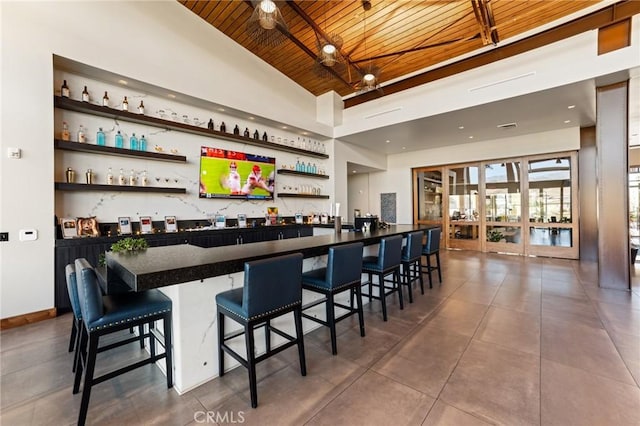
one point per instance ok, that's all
(386, 263)
(343, 273)
(76, 325)
(432, 247)
(103, 315)
(272, 287)
(411, 256)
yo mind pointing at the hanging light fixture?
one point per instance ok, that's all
(371, 73)
(266, 24)
(329, 56)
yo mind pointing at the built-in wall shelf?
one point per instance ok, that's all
(289, 195)
(305, 174)
(88, 108)
(109, 150)
(63, 186)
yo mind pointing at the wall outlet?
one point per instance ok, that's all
(4, 236)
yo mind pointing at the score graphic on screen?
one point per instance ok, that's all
(233, 174)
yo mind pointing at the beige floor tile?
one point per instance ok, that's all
(563, 308)
(628, 347)
(514, 330)
(572, 396)
(621, 318)
(496, 384)
(582, 347)
(445, 415)
(560, 287)
(619, 297)
(375, 400)
(476, 292)
(518, 299)
(425, 360)
(458, 316)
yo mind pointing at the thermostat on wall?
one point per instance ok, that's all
(28, 235)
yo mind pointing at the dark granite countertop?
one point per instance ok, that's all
(164, 266)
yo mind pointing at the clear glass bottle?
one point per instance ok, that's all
(308, 169)
(133, 142)
(109, 177)
(105, 100)
(125, 104)
(246, 132)
(85, 94)
(141, 108)
(132, 178)
(145, 180)
(100, 137)
(143, 143)
(119, 140)
(65, 135)
(81, 135)
(297, 165)
(64, 90)
(121, 178)
(223, 128)
(314, 169)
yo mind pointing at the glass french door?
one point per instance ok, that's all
(463, 210)
(503, 207)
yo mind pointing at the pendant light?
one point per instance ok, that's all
(266, 25)
(371, 73)
(329, 56)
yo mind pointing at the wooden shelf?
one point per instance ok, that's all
(63, 186)
(288, 195)
(305, 174)
(88, 108)
(109, 150)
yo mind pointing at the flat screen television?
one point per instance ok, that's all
(234, 174)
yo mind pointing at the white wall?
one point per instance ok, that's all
(358, 194)
(161, 43)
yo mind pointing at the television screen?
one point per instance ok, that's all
(233, 174)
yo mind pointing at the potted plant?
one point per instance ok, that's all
(494, 236)
(125, 245)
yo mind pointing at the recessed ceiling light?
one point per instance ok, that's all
(305, 133)
(571, 107)
(460, 127)
(171, 95)
(251, 118)
(470, 137)
(404, 147)
(285, 127)
(353, 171)
(123, 82)
(221, 109)
(567, 121)
(388, 141)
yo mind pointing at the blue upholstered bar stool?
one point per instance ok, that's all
(411, 256)
(343, 273)
(272, 287)
(76, 325)
(103, 315)
(386, 263)
(432, 247)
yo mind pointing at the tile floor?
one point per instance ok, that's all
(504, 340)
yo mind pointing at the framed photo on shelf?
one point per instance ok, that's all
(170, 224)
(146, 225)
(242, 220)
(124, 225)
(69, 227)
(87, 227)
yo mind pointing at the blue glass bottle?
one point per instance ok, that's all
(297, 165)
(133, 142)
(119, 140)
(143, 143)
(100, 138)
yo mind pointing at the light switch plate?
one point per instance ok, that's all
(28, 235)
(14, 153)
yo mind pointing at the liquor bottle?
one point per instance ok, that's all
(141, 108)
(210, 124)
(109, 177)
(308, 168)
(89, 175)
(125, 104)
(314, 169)
(256, 135)
(64, 91)
(236, 130)
(132, 178)
(265, 138)
(81, 137)
(65, 135)
(119, 140)
(105, 100)
(100, 138)
(121, 179)
(223, 128)
(297, 165)
(246, 132)
(143, 143)
(144, 179)
(70, 174)
(85, 95)
(133, 142)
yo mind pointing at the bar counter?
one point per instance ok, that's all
(192, 276)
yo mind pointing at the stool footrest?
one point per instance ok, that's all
(314, 303)
(112, 374)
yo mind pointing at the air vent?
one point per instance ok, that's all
(507, 125)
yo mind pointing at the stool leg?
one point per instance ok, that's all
(406, 269)
(397, 281)
(438, 264)
(297, 315)
(383, 297)
(76, 345)
(168, 334)
(418, 270)
(74, 331)
(370, 286)
(88, 379)
(80, 359)
(358, 291)
(152, 340)
(331, 322)
(267, 335)
(141, 334)
(429, 270)
(251, 364)
(220, 343)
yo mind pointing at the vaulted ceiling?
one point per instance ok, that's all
(399, 37)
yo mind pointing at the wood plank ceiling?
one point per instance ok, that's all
(399, 37)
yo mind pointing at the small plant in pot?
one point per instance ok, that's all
(126, 245)
(495, 236)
